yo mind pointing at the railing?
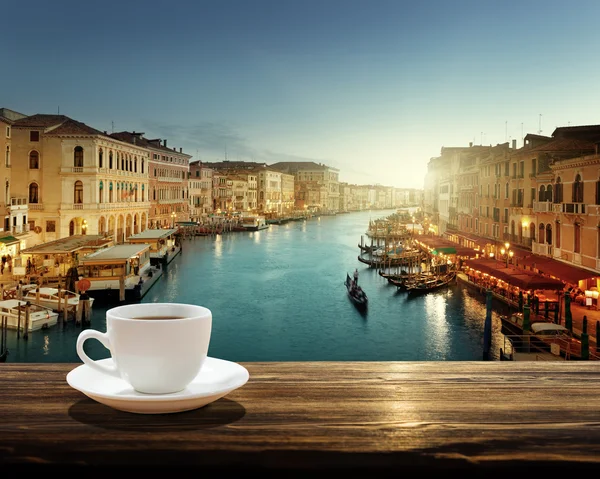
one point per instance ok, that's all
(541, 249)
(542, 206)
(36, 206)
(19, 229)
(570, 208)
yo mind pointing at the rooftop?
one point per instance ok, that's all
(70, 244)
(117, 252)
(151, 234)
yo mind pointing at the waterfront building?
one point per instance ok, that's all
(167, 180)
(316, 185)
(16, 208)
(269, 191)
(78, 180)
(222, 193)
(542, 199)
(287, 194)
(200, 190)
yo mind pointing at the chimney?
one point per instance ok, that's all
(180, 149)
(514, 144)
(470, 144)
(165, 143)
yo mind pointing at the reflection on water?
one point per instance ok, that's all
(279, 295)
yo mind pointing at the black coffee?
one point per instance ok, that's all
(159, 317)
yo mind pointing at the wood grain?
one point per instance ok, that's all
(321, 415)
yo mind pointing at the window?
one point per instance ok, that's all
(557, 224)
(578, 190)
(506, 191)
(101, 192)
(558, 191)
(8, 132)
(50, 226)
(532, 231)
(542, 233)
(100, 158)
(110, 160)
(577, 237)
(78, 193)
(34, 160)
(78, 157)
(549, 191)
(7, 158)
(33, 193)
(34, 136)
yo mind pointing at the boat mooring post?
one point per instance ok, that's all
(26, 329)
(487, 328)
(585, 340)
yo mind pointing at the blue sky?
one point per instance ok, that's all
(375, 87)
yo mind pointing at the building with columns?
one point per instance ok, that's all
(167, 180)
(78, 180)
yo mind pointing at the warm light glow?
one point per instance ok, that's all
(507, 245)
(502, 251)
(511, 253)
(491, 255)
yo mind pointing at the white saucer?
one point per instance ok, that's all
(216, 379)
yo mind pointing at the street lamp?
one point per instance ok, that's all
(507, 253)
(173, 216)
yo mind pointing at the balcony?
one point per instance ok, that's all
(542, 207)
(18, 204)
(570, 208)
(36, 206)
(20, 229)
(541, 249)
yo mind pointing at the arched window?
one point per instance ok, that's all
(558, 191)
(142, 169)
(100, 159)
(33, 193)
(542, 233)
(549, 193)
(557, 226)
(532, 231)
(78, 157)
(34, 160)
(110, 192)
(78, 193)
(549, 234)
(542, 193)
(101, 192)
(578, 189)
(110, 160)
(7, 158)
(118, 160)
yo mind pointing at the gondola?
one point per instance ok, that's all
(424, 286)
(356, 293)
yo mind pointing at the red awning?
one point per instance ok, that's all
(517, 277)
(557, 269)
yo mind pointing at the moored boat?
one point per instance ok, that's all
(14, 311)
(50, 297)
(424, 285)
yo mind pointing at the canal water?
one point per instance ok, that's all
(279, 295)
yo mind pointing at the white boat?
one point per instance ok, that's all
(253, 223)
(15, 311)
(49, 297)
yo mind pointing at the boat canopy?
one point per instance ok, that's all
(544, 326)
(444, 250)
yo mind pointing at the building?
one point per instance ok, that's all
(167, 179)
(316, 185)
(200, 186)
(78, 180)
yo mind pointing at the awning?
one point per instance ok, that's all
(8, 240)
(557, 269)
(444, 250)
(438, 243)
(521, 278)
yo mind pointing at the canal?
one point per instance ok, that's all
(279, 295)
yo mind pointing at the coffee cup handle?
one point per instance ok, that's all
(103, 338)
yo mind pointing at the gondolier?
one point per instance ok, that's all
(356, 277)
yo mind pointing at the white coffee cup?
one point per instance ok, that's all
(158, 348)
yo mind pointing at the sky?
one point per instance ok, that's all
(374, 88)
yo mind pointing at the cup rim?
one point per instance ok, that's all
(117, 312)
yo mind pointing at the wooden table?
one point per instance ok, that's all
(360, 418)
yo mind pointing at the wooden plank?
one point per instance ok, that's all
(311, 415)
